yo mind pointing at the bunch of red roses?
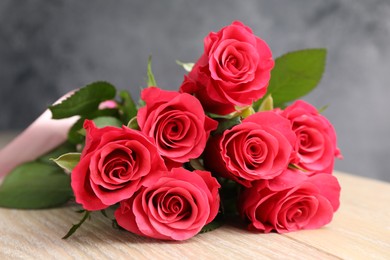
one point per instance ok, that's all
(165, 173)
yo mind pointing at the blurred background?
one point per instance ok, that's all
(48, 48)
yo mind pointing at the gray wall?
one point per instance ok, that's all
(50, 47)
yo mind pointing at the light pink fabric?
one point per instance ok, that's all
(43, 135)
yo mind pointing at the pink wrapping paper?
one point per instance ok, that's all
(43, 135)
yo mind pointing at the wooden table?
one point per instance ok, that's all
(360, 230)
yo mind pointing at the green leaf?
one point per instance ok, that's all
(229, 193)
(217, 116)
(244, 113)
(227, 124)
(127, 107)
(74, 135)
(186, 66)
(103, 121)
(151, 82)
(196, 164)
(63, 148)
(216, 223)
(73, 229)
(267, 104)
(113, 112)
(35, 185)
(295, 74)
(100, 122)
(84, 101)
(141, 103)
(68, 161)
(133, 123)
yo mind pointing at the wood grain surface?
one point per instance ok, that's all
(360, 230)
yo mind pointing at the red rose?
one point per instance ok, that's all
(174, 207)
(258, 148)
(233, 71)
(114, 164)
(316, 138)
(177, 123)
(294, 202)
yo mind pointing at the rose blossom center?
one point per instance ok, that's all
(169, 206)
(310, 143)
(173, 127)
(118, 163)
(297, 211)
(234, 61)
(256, 152)
(251, 153)
(117, 166)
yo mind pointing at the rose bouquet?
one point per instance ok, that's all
(232, 142)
